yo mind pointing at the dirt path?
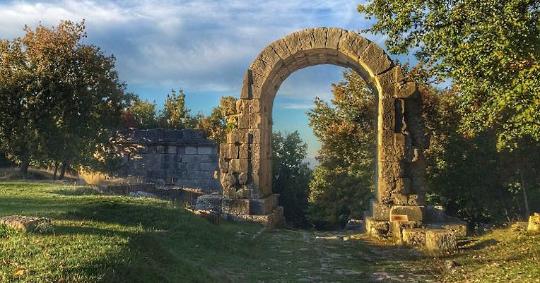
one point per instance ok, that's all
(313, 256)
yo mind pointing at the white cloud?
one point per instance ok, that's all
(199, 45)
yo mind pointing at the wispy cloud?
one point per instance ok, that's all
(201, 45)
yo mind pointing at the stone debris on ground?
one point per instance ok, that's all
(27, 223)
(210, 202)
(534, 223)
(141, 194)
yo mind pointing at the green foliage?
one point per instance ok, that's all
(140, 114)
(175, 114)
(468, 175)
(290, 175)
(220, 120)
(59, 98)
(488, 49)
(344, 180)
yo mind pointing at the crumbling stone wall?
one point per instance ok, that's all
(183, 158)
(245, 158)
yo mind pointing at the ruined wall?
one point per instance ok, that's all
(182, 158)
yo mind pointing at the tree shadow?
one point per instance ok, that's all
(79, 191)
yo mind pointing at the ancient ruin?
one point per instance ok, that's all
(245, 159)
(181, 158)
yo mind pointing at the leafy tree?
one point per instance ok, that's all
(290, 175)
(60, 98)
(219, 122)
(468, 175)
(488, 49)
(140, 114)
(175, 114)
(343, 181)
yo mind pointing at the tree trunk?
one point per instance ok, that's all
(63, 170)
(24, 167)
(525, 198)
(55, 170)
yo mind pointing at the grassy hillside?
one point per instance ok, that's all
(124, 239)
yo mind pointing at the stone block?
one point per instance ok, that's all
(239, 165)
(190, 150)
(319, 37)
(414, 237)
(405, 90)
(243, 121)
(211, 202)
(244, 151)
(333, 35)
(375, 59)
(352, 45)
(379, 211)
(534, 224)
(440, 240)
(205, 150)
(378, 229)
(27, 223)
(236, 206)
(459, 229)
(263, 206)
(207, 166)
(412, 213)
(280, 47)
(397, 228)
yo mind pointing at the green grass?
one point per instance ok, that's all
(502, 255)
(123, 239)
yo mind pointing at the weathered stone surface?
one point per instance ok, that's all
(211, 202)
(397, 228)
(263, 205)
(534, 223)
(440, 240)
(414, 237)
(235, 206)
(459, 229)
(411, 213)
(379, 211)
(378, 229)
(375, 59)
(27, 223)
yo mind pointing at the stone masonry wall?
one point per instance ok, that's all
(178, 159)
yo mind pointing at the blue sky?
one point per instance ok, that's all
(203, 47)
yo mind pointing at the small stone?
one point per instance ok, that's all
(450, 264)
(440, 240)
(534, 223)
(27, 223)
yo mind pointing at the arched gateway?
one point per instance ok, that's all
(245, 160)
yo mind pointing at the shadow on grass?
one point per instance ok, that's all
(80, 191)
(479, 245)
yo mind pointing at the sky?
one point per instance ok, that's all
(202, 47)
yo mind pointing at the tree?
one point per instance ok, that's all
(290, 175)
(175, 114)
(488, 49)
(220, 120)
(60, 98)
(140, 114)
(343, 181)
(467, 175)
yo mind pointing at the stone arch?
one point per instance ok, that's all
(245, 158)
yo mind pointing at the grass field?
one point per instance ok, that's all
(123, 239)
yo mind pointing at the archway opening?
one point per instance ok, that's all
(326, 115)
